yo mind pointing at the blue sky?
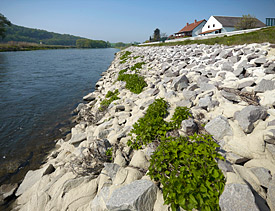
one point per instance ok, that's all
(125, 20)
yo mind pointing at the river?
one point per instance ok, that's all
(38, 92)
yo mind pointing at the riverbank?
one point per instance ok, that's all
(230, 94)
(24, 46)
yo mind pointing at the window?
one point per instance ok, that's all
(208, 26)
(213, 25)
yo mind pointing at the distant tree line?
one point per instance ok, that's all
(87, 43)
(123, 45)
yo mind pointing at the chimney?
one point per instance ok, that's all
(187, 24)
(195, 21)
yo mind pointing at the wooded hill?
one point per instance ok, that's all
(24, 34)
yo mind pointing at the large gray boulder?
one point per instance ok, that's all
(231, 96)
(247, 116)
(237, 197)
(263, 175)
(270, 137)
(270, 69)
(219, 127)
(265, 85)
(189, 126)
(138, 195)
(32, 177)
(271, 193)
(180, 83)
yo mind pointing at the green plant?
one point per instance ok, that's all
(180, 114)
(134, 82)
(152, 126)
(110, 94)
(187, 169)
(109, 153)
(125, 56)
(109, 98)
(137, 66)
(122, 71)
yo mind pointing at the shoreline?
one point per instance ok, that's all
(210, 81)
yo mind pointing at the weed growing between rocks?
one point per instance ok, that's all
(134, 82)
(109, 154)
(185, 166)
(109, 98)
(137, 66)
(124, 57)
(153, 127)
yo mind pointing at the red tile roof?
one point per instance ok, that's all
(190, 27)
(209, 31)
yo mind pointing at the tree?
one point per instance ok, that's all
(246, 22)
(156, 35)
(3, 23)
(163, 37)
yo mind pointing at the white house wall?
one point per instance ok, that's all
(213, 24)
(198, 29)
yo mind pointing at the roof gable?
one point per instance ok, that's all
(191, 27)
(228, 21)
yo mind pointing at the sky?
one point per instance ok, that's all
(125, 20)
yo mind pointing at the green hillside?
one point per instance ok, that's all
(24, 34)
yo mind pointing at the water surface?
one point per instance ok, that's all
(38, 92)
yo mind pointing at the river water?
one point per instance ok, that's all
(38, 92)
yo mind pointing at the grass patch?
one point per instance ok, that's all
(124, 57)
(137, 66)
(260, 36)
(109, 98)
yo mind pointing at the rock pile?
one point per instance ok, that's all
(231, 90)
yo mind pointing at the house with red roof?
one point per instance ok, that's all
(191, 30)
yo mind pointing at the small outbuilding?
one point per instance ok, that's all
(191, 30)
(221, 24)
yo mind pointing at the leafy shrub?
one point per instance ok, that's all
(134, 82)
(153, 127)
(109, 98)
(187, 169)
(185, 166)
(181, 113)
